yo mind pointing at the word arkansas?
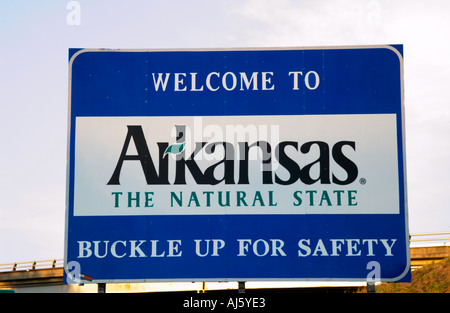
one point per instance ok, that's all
(235, 161)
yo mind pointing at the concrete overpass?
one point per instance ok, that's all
(428, 248)
(47, 275)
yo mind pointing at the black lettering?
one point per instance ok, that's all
(228, 173)
(266, 149)
(290, 165)
(143, 156)
(295, 172)
(323, 160)
(191, 164)
(344, 162)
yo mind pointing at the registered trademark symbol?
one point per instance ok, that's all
(362, 181)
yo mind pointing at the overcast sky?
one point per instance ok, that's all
(34, 41)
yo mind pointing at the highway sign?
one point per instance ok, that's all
(236, 165)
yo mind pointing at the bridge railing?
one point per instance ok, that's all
(440, 238)
(32, 265)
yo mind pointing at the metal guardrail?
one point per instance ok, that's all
(32, 265)
(441, 238)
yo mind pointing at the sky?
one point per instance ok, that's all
(35, 37)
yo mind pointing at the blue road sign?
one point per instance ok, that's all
(236, 165)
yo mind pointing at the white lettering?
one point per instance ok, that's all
(265, 250)
(113, 248)
(159, 81)
(261, 247)
(370, 245)
(179, 81)
(295, 79)
(243, 246)
(387, 246)
(228, 81)
(267, 80)
(351, 247)
(305, 247)
(320, 247)
(155, 250)
(208, 81)
(193, 84)
(84, 246)
(137, 248)
(317, 80)
(174, 246)
(277, 246)
(233, 79)
(212, 247)
(96, 249)
(336, 246)
(216, 243)
(246, 82)
(339, 247)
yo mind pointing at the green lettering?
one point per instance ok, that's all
(131, 199)
(116, 198)
(227, 193)
(178, 200)
(297, 197)
(258, 197)
(208, 197)
(240, 195)
(311, 196)
(338, 196)
(325, 197)
(193, 198)
(149, 199)
(351, 198)
(271, 203)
